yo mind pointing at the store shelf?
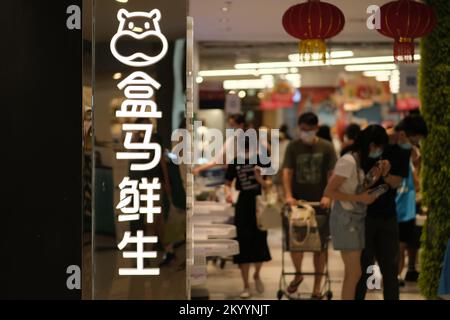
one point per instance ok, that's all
(216, 248)
(209, 207)
(214, 231)
(210, 219)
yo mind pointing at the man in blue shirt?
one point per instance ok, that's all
(407, 230)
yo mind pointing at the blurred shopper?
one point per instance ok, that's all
(347, 220)
(285, 139)
(350, 135)
(382, 239)
(308, 163)
(253, 246)
(324, 132)
(235, 121)
(409, 233)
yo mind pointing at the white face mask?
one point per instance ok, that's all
(307, 136)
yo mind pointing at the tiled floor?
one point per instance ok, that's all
(226, 283)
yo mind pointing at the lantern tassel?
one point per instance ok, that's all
(404, 48)
(310, 46)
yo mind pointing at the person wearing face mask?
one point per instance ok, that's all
(382, 234)
(308, 163)
(346, 188)
(411, 130)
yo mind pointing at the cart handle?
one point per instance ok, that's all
(312, 204)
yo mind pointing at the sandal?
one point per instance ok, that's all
(293, 286)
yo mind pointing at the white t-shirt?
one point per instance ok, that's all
(346, 167)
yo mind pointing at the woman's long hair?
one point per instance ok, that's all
(375, 134)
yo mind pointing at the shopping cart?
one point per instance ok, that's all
(322, 222)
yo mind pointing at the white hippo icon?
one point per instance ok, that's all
(130, 31)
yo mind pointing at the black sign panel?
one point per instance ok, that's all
(41, 103)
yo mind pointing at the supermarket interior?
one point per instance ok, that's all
(329, 77)
(247, 63)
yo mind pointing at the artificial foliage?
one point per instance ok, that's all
(434, 90)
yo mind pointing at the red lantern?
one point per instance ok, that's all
(405, 20)
(312, 22)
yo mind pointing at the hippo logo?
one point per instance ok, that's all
(137, 26)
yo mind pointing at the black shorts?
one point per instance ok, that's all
(409, 233)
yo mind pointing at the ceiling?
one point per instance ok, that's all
(251, 31)
(260, 20)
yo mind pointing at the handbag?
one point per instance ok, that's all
(268, 209)
(303, 229)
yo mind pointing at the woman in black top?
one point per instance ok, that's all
(252, 241)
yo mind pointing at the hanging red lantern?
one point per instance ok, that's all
(312, 22)
(405, 20)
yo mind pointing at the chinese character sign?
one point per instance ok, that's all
(138, 197)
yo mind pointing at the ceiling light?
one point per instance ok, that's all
(273, 71)
(245, 84)
(342, 54)
(369, 67)
(199, 79)
(316, 63)
(117, 76)
(243, 72)
(316, 56)
(225, 9)
(382, 78)
(264, 65)
(267, 77)
(376, 73)
(122, 1)
(242, 94)
(225, 73)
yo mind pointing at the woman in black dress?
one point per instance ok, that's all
(252, 241)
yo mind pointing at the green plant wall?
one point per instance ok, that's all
(434, 90)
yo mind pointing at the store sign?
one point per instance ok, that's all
(130, 30)
(232, 104)
(138, 197)
(282, 96)
(409, 79)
